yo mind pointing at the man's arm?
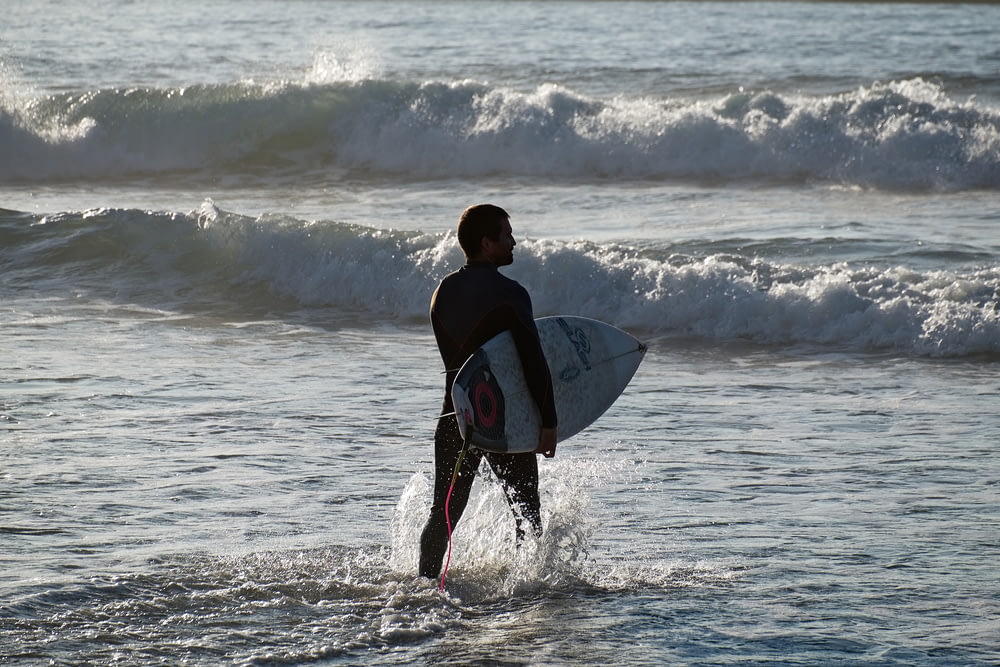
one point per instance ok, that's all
(547, 443)
(537, 375)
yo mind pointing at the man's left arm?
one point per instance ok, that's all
(537, 375)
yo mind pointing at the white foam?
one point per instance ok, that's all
(902, 135)
(386, 275)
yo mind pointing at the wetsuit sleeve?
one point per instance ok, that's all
(536, 369)
(536, 373)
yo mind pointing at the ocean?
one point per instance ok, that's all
(220, 227)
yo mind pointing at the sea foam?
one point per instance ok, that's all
(906, 135)
(219, 261)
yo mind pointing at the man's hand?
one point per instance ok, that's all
(547, 443)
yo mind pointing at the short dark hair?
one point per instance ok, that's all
(479, 222)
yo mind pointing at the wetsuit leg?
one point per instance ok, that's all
(447, 447)
(518, 473)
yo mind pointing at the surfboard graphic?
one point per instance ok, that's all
(591, 363)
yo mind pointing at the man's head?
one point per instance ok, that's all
(485, 235)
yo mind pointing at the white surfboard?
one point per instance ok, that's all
(591, 364)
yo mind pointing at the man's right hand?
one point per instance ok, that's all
(547, 443)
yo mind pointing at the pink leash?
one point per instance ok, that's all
(447, 516)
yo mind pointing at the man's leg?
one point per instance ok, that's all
(518, 473)
(447, 447)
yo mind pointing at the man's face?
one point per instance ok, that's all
(501, 251)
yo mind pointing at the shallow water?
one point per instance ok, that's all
(218, 385)
(249, 507)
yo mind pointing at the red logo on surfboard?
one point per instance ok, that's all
(488, 404)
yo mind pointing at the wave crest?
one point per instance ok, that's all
(903, 135)
(212, 260)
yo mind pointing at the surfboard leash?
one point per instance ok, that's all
(447, 503)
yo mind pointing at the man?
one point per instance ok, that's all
(468, 308)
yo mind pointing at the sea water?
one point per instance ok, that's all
(220, 225)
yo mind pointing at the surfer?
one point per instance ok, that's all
(468, 308)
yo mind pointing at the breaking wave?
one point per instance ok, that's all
(212, 260)
(905, 135)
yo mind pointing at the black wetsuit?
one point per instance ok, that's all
(468, 308)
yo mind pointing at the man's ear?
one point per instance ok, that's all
(484, 246)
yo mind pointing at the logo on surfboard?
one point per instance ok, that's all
(488, 403)
(579, 340)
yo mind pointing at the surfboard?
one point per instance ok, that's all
(591, 363)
